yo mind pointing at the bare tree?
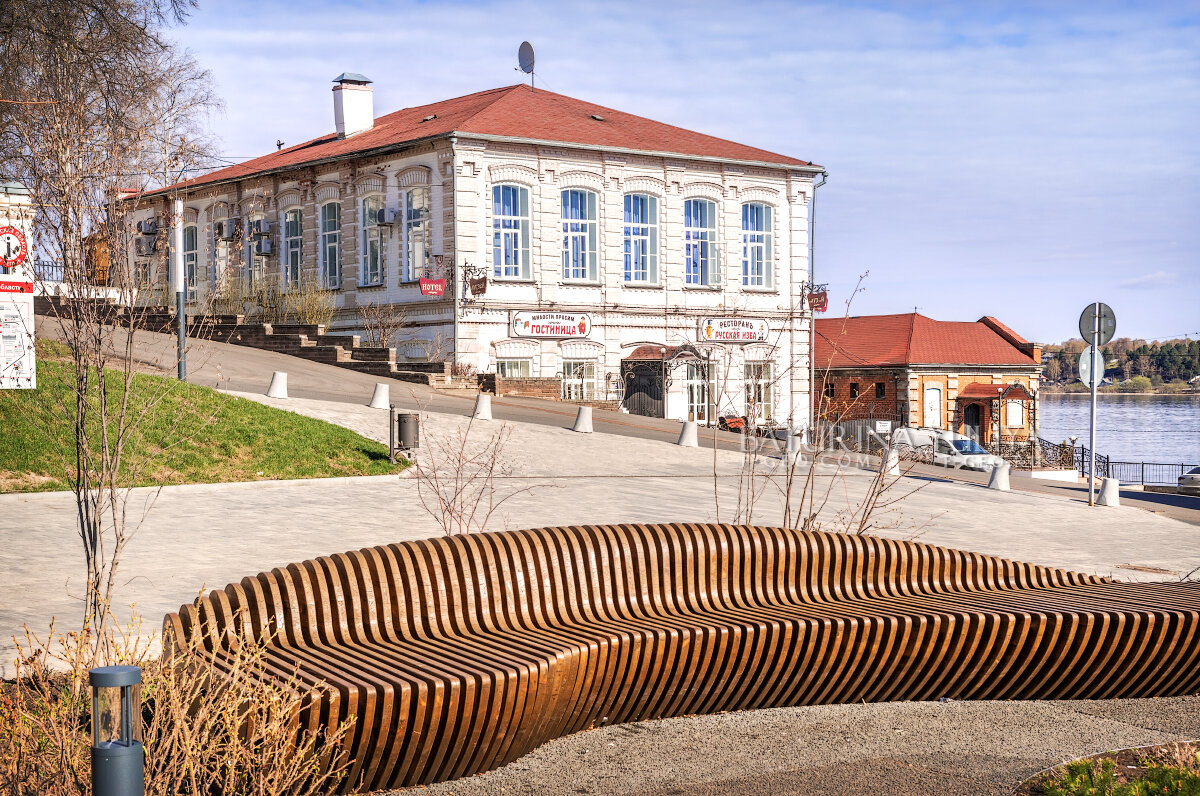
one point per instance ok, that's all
(382, 323)
(102, 107)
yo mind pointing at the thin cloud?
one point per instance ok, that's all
(1149, 281)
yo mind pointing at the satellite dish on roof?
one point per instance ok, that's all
(525, 57)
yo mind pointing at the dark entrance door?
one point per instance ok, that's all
(972, 421)
(643, 388)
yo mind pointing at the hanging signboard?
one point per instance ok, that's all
(733, 330)
(818, 302)
(432, 287)
(478, 285)
(16, 336)
(551, 324)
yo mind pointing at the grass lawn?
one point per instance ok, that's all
(186, 435)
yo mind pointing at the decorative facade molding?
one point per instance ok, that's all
(327, 191)
(581, 349)
(758, 193)
(705, 190)
(512, 172)
(509, 347)
(642, 184)
(581, 179)
(415, 175)
(289, 199)
(369, 184)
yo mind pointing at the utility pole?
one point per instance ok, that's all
(177, 282)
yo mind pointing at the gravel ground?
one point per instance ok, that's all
(887, 748)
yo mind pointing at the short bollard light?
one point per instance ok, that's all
(117, 754)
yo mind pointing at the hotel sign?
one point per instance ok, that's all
(733, 330)
(551, 324)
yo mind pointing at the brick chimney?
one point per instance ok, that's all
(353, 104)
(1031, 350)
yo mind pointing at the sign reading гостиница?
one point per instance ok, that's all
(551, 324)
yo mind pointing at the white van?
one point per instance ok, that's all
(944, 448)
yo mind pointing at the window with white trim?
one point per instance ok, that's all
(579, 235)
(514, 368)
(374, 251)
(415, 241)
(579, 380)
(293, 247)
(641, 238)
(510, 232)
(1014, 414)
(254, 263)
(331, 245)
(700, 242)
(756, 245)
(701, 393)
(189, 261)
(759, 403)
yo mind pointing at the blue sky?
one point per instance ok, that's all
(1012, 159)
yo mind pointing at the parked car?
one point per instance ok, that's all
(1189, 482)
(944, 448)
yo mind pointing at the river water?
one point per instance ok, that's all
(1129, 428)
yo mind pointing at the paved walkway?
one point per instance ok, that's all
(193, 537)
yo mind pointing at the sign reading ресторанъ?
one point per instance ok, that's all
(733, 330)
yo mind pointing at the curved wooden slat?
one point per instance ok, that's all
(457, 655)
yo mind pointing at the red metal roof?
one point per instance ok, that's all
(911, 339)
(514, 112)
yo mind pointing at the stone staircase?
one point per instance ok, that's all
(307, 341)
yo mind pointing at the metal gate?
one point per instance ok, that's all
(643, 388)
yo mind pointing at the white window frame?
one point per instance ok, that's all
(524, 368)
(292, 250)
(577, 387)
(701, 393)
(331, 244)
(191, 241)
(581, 234)
(510, 232)
(254, 263)
(640, 239)
(757, 249)
(414, 238)
(373, 264)
(1014, 414)
(700, 253)
(760, 389)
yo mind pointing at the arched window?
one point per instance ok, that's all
(641, 238)
(510, 232)
(414, 244)
(374, 253)
(756, 245)
(293, 247)
(331, 245)
(189, 261)
(700, 242)
(579, 235)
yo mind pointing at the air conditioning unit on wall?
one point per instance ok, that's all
(260, 227)
(225, 230)
(262, 247)
(145, 246)
(147, 226)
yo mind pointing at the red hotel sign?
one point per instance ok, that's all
(551, 324)
(432, 287)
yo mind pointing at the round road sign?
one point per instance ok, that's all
(1108, 324)
(1085, 365)
(13, 248)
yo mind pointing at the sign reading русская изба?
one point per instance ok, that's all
(733, 330)
(551, 324)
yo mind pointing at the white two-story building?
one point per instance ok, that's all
(530, 235)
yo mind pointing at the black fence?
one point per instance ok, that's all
(1160, 473)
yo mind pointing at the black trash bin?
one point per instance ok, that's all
(408, 431)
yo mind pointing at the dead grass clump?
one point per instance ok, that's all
(208, 727)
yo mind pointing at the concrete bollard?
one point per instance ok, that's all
(688, 435)
(483, 407)
(380, 398)
(999, 478)
(583, 420)
(890, 464)
(794, 443)
(278, 388)
(1110, 492)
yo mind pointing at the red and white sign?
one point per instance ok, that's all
(819, 301)
(551, 324)
(13, 248)
(17, 370)
(733, 330)
(432, 287)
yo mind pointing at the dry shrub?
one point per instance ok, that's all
(208, 728)
(382, 324)
(308, 303)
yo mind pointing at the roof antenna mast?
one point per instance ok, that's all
(525, 60)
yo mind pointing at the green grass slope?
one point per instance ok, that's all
(184, 434)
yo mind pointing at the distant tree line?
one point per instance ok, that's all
(1127, 358)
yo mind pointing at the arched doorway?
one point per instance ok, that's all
(973, 421)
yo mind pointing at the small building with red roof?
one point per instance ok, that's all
(917, 371)
(526, 234)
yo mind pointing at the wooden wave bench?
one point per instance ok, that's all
(458, 655)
